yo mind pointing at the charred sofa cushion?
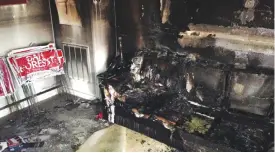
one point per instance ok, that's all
(175, 109)
(253, 93)
(205, 85)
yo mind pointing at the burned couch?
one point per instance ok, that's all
(190, 103)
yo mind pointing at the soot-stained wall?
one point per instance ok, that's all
(251, 13)
(156, 24)
(251, 18)
(96, 31)
(227, 74)
(138, 24)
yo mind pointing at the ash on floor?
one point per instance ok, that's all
(61, 124)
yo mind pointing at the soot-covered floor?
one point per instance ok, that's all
(63, 126)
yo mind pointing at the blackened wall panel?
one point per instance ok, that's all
(223, 12)
(138, 24)
(94, 33)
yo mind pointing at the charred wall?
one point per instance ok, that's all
(251, 18)
(156, 25)
(236, 34)
(251, 13)
(96, 32)
(138, 25)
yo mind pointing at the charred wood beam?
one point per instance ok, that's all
(231, 39)
(240, 30)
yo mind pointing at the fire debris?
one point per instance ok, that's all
(181, 92)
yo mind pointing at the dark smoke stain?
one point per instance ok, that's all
(221, 12)
(83, 8)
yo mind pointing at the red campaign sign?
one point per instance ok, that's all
(60, 58)
(42, 61)
(12, 2)
(6, 84)
(36, 62)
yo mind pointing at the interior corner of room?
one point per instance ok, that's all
(140, 75)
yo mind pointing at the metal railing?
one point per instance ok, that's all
(76, 66)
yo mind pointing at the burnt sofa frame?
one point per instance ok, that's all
(218, 109)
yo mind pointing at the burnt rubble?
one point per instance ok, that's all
(191, 78)
(186, 93)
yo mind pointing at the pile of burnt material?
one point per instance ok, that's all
(194, 104)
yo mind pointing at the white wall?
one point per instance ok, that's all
(20, 26)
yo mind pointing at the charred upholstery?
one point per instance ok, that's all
(197, 87)
(176, 92)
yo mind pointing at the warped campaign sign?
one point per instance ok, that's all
(33, 63)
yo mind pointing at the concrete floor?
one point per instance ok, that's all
(64, 127)
(120, 139)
